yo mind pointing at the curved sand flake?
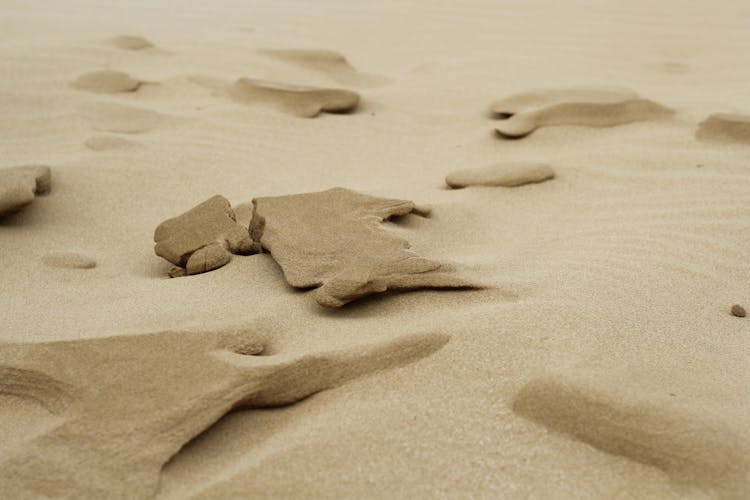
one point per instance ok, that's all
(724, 127)
(302, 101)
(699, 450)
(20, 185)
(333, 240)
(125, 405)
(107, 82)
(521, 114)
(509, 174)
(202, 238)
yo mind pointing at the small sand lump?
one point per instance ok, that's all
(202, 238)
(107, 82)
(130, 42)
(19, 186)
(739, 311)
(501, 174)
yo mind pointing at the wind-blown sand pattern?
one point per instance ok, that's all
(203, 238)
(521, 114)
(617, 291)
(510, 174)
(725, 127)
(307, 102)
(331, 240)
(702, 450)
(107, 82)
(20, 185)
(125, 405)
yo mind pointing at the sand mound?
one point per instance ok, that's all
(332, 64)
(501, 174)
(332, 240)
(107, 82)
(698, 450)
(202, 238)
(725, 128)
(69, 260)
(108, 143)
(111, 117)
(126, 405)
(306, 102)
(19, 186)
(131, 42)
(521, 114)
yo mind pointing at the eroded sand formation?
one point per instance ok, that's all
(703, 450)
(333, 240)
(203, 238)
(307, 102)
(508, 174)
(521, 114)
(725, 127)
(20, 185)
(131, 42)
(117, 409)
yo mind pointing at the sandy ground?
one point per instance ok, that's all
(601, 362)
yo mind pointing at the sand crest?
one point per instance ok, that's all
(502, 174)
(521, 114)
(20, 185)
(332, 240)
(123, 406)
(304, 101)
(203, 238)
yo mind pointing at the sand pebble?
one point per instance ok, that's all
(739, 311)
(508, 174)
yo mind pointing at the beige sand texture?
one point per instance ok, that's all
(600, 360)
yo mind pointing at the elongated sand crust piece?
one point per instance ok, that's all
(699, 450)
(202, 238)
(121, 407)
(521, 114)
(107, 82)
(20, 185)
(306, 102)
(333, 240)
(508, 174)
(724, 127)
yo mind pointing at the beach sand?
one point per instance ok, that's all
(596, 357)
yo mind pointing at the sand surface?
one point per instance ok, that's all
(599, 360)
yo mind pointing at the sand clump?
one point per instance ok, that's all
(332, 240)
(203, 238)
(123, 406)
(521, 114)
(508, 174)
(738, 311)
(697, 450)
(303, 101)
(107, 82)
(131, 42)
(725, 127)
(20, 185)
